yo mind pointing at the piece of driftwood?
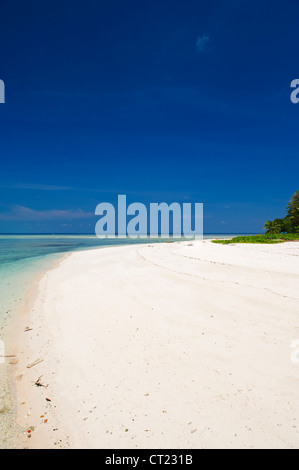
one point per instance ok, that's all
(34, 363)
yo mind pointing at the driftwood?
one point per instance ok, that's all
(34, 363)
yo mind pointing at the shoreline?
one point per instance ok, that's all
(14, 332)
(137, 350)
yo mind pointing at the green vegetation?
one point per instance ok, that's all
(265, 238)
(290, 224)
(277, 230)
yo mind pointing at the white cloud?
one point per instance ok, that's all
(202, 43)
(18, 213)
(38, 187)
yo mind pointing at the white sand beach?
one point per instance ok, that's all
(173, 345)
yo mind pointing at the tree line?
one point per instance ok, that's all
(290, 223)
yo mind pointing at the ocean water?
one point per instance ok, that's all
(22, 259)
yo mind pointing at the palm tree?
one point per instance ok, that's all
(290, 224)
(293, 212)
(273, 226)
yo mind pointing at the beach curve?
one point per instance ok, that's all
(173, 345)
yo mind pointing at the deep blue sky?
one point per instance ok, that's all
(171, 101)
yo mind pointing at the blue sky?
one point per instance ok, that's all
(165, 101)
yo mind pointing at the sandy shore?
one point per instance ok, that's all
(179, 345)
